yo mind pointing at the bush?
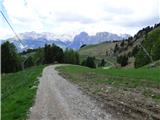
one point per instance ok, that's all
(29, 62)
(38, 57)
(89, 62)
(141, 59)
(116, 48)
(83, 63)
(102, 63)
(122, 44)
(122, 60)
(135, 51)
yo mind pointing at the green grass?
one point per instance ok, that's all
(141, 78)
(149, 74)
(18, 92)
(97, 50)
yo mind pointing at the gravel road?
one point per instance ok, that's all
(58, 99)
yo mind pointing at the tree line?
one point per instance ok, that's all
(12, 61)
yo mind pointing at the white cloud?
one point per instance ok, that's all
(6, 33)
(73, 16)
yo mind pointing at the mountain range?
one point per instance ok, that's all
(34, 40)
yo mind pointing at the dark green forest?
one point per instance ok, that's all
(12, 61)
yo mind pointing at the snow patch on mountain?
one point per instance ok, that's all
(46, 35)
(35, 40)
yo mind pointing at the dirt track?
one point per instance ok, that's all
(58, 99)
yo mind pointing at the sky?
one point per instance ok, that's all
(74, 16)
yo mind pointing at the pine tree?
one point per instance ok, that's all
(141, 59)
(71, 56)
(53, 53)
(123, 60)
(90, 62)
(29, 62)
(103, 62)
(10, 59)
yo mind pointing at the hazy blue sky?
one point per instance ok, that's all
(74, 16)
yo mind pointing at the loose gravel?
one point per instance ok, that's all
(58, 99)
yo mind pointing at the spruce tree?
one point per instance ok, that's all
(10, 61)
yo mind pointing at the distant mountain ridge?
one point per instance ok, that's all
(84, 38)
(34, 40)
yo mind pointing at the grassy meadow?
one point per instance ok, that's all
(98, 50)
(146, 80)
(18, 92)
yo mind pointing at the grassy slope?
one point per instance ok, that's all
(123, 78)
(98, 50)
(152, 74)
(155, 34)
(18, 92)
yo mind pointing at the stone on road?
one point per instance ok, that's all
(58, 99)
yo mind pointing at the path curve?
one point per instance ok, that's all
(58, 99)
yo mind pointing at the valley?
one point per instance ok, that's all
(80, 59)
(92, 77)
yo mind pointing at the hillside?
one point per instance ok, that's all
(100, 51)
(142, 46)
